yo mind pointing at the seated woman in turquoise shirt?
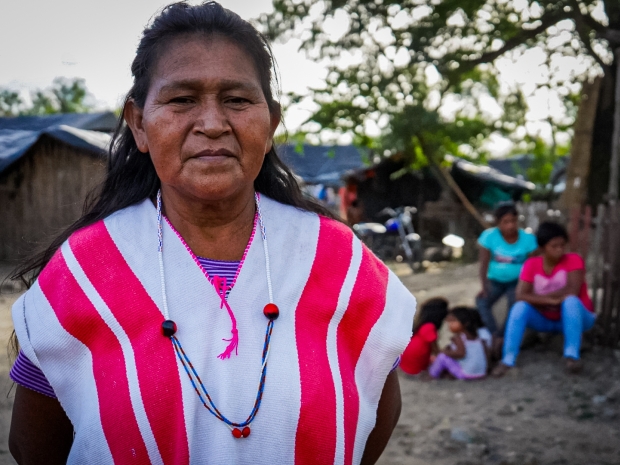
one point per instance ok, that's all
(503, 250)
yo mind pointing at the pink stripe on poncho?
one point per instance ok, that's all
(92, 325)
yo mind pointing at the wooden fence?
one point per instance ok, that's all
(597, 239)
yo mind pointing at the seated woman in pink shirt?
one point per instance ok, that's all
(552, 297)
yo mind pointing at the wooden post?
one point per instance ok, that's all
(611, 314)
(615, 143)
(608, 278)
(584, 247)
(459, 193)
(595, 253)
(573, 229)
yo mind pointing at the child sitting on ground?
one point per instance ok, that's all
(483, 334)
(466, 357)
(482, 331)
(416, 356)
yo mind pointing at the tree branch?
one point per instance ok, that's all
(547, 21)
(590, 22)
(611, 35)
(583, 32)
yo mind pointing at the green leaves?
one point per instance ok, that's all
(10, 103)
(424, 72)
(64, 96)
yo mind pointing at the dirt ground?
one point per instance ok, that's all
(538, 415)
(535, 416)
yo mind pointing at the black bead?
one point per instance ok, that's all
(168, 328)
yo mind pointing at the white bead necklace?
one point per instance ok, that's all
(169, 329)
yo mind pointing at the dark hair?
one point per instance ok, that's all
(477, 319)
(432, 311)
(503, 209)
(131, 176)
(549, 230)
(466, 318)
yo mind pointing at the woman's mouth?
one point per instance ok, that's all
(214, 154)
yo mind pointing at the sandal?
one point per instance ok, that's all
(500, 370)
(573, 366)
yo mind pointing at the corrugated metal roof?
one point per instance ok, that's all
(488, 174)
(104, 121)
(86, 131)
(15, 142)
(321, 164)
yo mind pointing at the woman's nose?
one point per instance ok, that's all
(211, 120)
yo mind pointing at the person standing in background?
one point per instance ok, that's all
(503, 250)
(348, 202)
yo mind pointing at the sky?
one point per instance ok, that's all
(96, 40)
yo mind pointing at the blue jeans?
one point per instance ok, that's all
(574, 321)
(485, 304)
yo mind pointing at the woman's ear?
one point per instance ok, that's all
(276, 118)
(133, 117)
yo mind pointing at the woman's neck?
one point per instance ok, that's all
(512, 238)
(550, 263)
(219, 230)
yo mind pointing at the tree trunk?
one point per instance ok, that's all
(615, 143)
(578, 170)
(598, 180)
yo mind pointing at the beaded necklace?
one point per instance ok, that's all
(169, 328)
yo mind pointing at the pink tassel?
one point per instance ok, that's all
(234, 343)
(221, 288)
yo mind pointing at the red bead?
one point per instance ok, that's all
(246, 432)
(236, 432)
(168, 328)
(271, 311)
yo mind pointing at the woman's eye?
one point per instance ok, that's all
(181, 100)
(237, 100)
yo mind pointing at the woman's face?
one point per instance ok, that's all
(555, 249)
(508, 224)
(205, 123)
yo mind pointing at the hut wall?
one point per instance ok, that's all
(43, 193)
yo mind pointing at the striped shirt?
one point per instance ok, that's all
(27, 374)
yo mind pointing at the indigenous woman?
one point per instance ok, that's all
(503, 250)
(202, 310)
(553, 297)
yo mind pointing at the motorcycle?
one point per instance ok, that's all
(395, 239)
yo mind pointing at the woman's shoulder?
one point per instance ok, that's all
(525, 235)
(573, 260)
(270, 205)
(532, 265)
(488, 233)
(133, 227)
(527, 241)
(280, 215)
(126, 221)
(535, 260)
(490, 238)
